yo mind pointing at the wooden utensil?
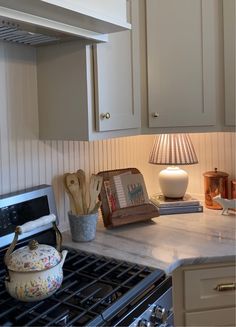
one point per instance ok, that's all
(96, 207)
(94, 190)
(71, 199)
(82, 181)
(73, 186)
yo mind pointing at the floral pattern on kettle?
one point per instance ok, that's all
(44, 257)
(38, 288)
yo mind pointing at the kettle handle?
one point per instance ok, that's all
(31, 225)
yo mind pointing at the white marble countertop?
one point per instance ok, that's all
(167, 241)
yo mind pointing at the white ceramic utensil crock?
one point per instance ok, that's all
(34, 272)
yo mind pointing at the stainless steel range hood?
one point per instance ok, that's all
(39, 22)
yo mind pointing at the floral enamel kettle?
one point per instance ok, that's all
(34, 272)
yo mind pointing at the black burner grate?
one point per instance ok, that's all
(92, 285)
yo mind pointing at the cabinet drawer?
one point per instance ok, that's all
(220, 317)
(200, 284)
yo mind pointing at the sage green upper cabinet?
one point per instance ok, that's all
(182, 62)
(117, 77)
(91, 92)
(229, 10)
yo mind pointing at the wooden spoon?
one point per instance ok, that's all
(82, 181)
(71, 199)
(73, 186)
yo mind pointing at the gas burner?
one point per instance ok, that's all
(98, 292)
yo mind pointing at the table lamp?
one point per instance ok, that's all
(173, 150)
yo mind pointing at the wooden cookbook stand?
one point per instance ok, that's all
(126, 215)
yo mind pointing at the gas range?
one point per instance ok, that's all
(96, 290)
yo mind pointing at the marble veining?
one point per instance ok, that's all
(167, 241)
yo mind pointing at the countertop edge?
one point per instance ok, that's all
(199, 260)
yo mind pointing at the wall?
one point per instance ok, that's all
(25, 161)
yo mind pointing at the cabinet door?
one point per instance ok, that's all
(204, 295)
(117, 78)
(182, 60)
(229, 8)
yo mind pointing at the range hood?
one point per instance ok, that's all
(40, 22)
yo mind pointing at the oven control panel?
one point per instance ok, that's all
(158, 314)
(8, 218)
(18, 214)
(20, 207)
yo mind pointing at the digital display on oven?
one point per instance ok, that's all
(20, 213)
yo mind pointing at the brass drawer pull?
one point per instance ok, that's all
(225, 287)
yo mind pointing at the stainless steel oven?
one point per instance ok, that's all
(96, 290)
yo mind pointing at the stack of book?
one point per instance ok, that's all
(169, 206)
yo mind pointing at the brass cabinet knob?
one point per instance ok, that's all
(107, 115)
(155, 115)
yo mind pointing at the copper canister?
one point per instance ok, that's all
(233, 189)
(215, 183)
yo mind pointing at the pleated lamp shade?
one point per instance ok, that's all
(173, 150)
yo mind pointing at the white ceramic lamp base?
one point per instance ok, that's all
(173, 182)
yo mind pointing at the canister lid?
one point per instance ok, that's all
(215, 174)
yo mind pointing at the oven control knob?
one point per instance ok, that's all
(144, 323)
(160, 314)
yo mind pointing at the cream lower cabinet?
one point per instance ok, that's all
(183, 62)
(229, 10)
(204, 295)
(86, 92)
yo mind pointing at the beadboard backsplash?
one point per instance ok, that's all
(25, 161)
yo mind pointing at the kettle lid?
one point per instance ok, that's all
(33, 257)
